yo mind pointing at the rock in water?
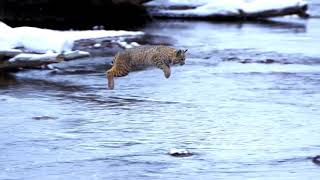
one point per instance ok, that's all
(44, 118)
(180, 152)
(316, 160)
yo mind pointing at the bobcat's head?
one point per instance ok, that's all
(179, 57)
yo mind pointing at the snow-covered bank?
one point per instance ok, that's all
(31, 46)
(42, 40)
(232, 8)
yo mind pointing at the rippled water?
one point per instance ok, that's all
(246, 103)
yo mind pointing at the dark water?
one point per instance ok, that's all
(246, 103)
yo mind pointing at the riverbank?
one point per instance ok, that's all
(84, 14)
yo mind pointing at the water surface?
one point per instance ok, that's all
(242, 117)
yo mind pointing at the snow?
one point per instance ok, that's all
(179, 151)
(75, 54)
(127, 45)
(262, 5)
(49, 56)
(219, 7)
(134, 44)
(3, 26)
(208, 7)
(42, 40)
(169, 3)
(97, 45)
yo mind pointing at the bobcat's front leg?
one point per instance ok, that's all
(164, 67)
(166, 70)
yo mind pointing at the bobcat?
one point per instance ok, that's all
(131, 59)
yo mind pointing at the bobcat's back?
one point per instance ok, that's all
(145, 55)
(134, 58)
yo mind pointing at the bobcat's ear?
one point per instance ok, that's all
(178, 52)
(185, 50)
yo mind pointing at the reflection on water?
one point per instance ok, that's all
(295, 37)
(242, 120)
(6, 79)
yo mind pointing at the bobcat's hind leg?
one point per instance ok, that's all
(110, 78)
(115, 72)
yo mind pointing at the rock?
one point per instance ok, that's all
(44, 118)
(180, 152)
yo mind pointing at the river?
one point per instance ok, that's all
(246, 103)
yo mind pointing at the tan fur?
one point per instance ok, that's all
(131, 59)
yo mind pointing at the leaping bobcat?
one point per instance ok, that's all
(159, 56)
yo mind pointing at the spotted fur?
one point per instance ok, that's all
(131, 59)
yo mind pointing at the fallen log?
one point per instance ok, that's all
(301, 11)
(24, 60)
(17, 59)
(9, 53)
(239, 14)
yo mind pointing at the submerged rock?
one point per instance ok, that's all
(180, 152)
(44, 118)
(316, 160)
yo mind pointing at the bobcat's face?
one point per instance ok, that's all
(180, 57)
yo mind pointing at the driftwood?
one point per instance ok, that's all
(10, 60)
(301, 11)
(9, 53)
(25, 60)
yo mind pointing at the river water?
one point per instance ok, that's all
(247, 103)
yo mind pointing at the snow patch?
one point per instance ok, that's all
(170, 3)
(262, 5)
(219, 7)
(97, 45)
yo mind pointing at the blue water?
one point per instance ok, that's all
(250, 120)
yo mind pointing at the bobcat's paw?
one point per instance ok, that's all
(167, 73)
